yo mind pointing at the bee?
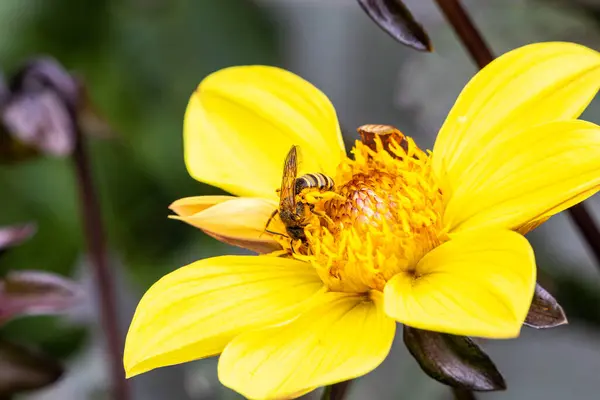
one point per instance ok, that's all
(295, 214)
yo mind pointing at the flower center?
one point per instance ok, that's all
(386, 217)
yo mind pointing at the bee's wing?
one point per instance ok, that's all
(288, 182)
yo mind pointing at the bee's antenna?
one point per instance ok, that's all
(276, 233)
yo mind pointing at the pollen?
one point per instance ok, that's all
(385, 216)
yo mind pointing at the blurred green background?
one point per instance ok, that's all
(141, 59)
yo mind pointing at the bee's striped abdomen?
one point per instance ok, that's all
(318, 181)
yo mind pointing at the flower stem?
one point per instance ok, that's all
(463, 394)
(587, 227)
(336, 391)
(467, 31)
(482, 55)
(96, 243)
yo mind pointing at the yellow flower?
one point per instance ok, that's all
(426, 239)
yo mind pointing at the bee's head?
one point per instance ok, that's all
(296, 232)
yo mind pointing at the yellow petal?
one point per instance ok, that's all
(196, 310)
(534, 84)
(240, 221)
(527, 176)
(476, 284)
(192, 205)
(342, 337)
(241, 122)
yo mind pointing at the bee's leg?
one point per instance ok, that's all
(311, 208)
(329, 195)
(320, 214)
(298, 247)
(269, 222)
(293, 248)
(313, 197)
(276, 233)
(273, 214)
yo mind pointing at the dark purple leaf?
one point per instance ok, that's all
(453, 360)
(42, 106)
(24, 369)
(14, 235)
(544, 312)
(393, 17)
(36, 293)
(46, 73)
(40, 120)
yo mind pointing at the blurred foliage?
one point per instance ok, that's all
(56, 337)
(577, 296)
(24, 369)
(140, 61)
(25, 366)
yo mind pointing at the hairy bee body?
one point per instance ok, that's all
(294, 213)
(314, 181)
